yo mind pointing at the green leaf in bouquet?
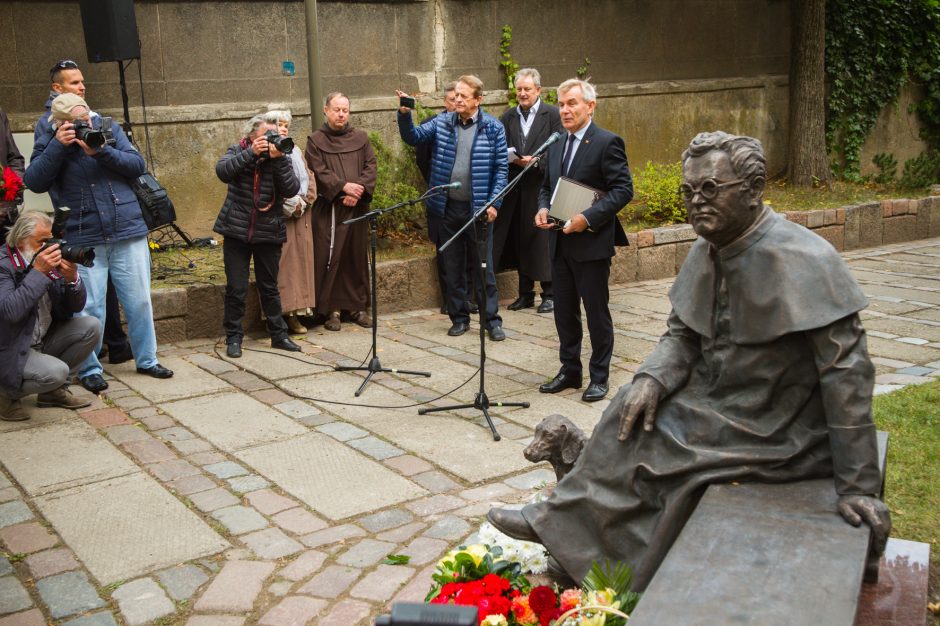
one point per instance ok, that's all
(396, 559)
(617, 577)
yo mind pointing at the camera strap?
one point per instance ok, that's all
(256, 191)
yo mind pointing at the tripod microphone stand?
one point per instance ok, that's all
(375, 365)
(481, 401)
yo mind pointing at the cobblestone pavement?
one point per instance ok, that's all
(245, 491)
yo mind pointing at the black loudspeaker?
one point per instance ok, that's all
(110, 30)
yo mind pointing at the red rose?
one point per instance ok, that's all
(542, 598)
(492, 584)
(546, 618)
(500, 605)
(11, 184)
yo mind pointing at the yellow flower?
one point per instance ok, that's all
(495, 619)
(477, 551)
(601, 598)
(598, 619)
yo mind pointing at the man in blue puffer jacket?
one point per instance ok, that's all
(470, 149)
(94, 184)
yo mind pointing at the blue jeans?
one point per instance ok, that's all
(128, 262)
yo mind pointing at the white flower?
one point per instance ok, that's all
(532, 557)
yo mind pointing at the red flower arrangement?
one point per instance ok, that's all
(12, 183)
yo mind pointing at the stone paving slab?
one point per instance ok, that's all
(161, 532)
(37, 417)
(61, 455)
(313, 466)
(188, 380)
(273, 366)
(232, 421)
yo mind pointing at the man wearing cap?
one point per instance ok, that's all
(66, 77)
(105, 214)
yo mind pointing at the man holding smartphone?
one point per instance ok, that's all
(469, 149)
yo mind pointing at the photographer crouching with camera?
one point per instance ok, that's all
(42, 343)
(251, 220)
(89, 168)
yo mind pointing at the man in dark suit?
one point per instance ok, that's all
(516, 241)
(582, 250)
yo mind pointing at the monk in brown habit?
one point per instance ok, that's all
(763, 375)
(344, 167)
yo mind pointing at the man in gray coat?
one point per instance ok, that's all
(41, 342)
(763, 375)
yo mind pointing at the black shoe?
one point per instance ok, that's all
(511, 522)
(497, 333)
(157, 371)
(285, 343)
(522, 302)
(594, 392)
(561, 382)
(547, 305)
(458, 329)
(94, 383)
(473, 308)
(233, 349)
(120, 354)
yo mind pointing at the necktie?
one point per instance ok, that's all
(569, 148)
(525, 113)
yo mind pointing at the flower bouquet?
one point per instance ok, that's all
(483, 576)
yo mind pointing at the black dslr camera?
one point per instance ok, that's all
(84, 131)
(73, 254)
(283, 144)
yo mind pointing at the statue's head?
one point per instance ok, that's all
(723, 184)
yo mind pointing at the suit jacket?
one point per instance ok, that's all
(601, 163)
(517, 243)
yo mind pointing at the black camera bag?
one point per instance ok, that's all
(154, 201)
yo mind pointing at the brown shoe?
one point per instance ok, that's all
(61, 398)
(294, 325)
(362, 318)
(332, 322)
(12, 410)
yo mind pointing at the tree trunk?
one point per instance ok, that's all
(808, 163)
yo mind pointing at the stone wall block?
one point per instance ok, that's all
(887, 208)
(852, 219)
(204, 311)
(645, 238)
(931, 207)
(682, 251)
(673, 234)
(798, 217)
(900, 228)
(815, 219)
(840, 216)
(656, 262)
(923, 219)
(170, 329)
(831, 217)
(834, 234)
(623, 269)
(168, 303)
(913, 206)
(870, 224)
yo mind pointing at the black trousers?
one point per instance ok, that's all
(436, 235)
(114, 336)
(527, 287)
(456, 215)
(576, 282)
(267, 256)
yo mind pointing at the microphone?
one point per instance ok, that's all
(554, 137)
(454, 185)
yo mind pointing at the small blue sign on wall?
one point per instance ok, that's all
(287, 68)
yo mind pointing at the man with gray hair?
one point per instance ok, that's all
(516, 240)
(582, 250)
(763, 375)
(42, 343)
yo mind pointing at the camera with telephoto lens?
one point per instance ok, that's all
(73, 254)
(84, 131)
(285, 145)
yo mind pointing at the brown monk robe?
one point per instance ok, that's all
(338, 158)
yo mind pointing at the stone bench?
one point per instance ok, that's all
(763, 554)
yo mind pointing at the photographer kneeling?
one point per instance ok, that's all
(41, 343)
(259, 178)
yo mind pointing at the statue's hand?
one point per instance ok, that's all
(874, 512)
(643, 397)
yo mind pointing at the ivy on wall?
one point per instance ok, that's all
(874, 47)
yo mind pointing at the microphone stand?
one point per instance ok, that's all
(481, 401)
(375, 365)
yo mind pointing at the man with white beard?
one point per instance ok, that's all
(42, 343)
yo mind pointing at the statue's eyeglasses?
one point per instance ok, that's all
(708, 189)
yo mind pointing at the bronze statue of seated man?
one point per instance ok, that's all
(763, 375)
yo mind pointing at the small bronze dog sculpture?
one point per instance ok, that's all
(558, 441)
